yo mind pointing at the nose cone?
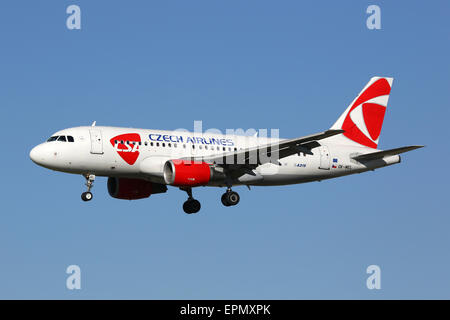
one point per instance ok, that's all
(37, 155)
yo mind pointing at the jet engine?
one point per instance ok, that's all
(133, 189)
(187, 173)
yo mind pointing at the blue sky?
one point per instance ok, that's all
(232, 64)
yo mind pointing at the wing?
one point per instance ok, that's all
(271, 152)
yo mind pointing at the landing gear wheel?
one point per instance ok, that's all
(233, 198)
(191, 206)
(230, 198)
(224, 200)
(86, 196)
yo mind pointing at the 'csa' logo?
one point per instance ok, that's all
(127, 146)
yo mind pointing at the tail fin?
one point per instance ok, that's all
(363, 119)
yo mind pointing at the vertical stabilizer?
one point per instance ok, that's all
(363, 119)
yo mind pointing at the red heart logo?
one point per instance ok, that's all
(127, 146)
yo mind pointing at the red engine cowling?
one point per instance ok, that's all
(187, 173)
(133, 189)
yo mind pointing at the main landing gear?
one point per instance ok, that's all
(87, 196)
(191, 205)
(230, 198)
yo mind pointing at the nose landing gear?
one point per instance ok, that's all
(230, 198)
(87, 196)
(191, 205)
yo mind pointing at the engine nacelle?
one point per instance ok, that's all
(187, 173)
(133, 189)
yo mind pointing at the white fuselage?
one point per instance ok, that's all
(141, 153)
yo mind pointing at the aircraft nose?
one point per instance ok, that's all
(36, 155)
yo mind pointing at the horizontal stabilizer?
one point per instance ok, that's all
(385, 153)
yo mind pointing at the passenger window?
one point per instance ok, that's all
(70, 139)
(62, 138)
(169, 145)
(145, 143)
(163, 144)
(151, 144)
(157, 144)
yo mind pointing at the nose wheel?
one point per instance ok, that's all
(191, 205)
(230, 198)
(87, 196)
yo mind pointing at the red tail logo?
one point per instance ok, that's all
(127, 146)
(364, 126)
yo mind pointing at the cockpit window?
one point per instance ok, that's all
(61, 139)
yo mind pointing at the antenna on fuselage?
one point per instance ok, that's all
(93, 124)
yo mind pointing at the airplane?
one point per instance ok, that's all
(142, 162)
